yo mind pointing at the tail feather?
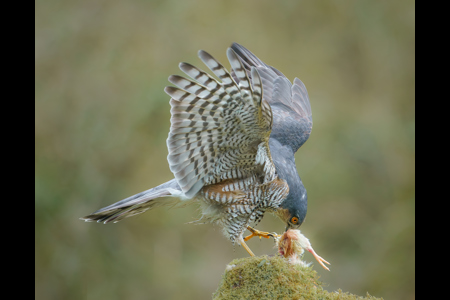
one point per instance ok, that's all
(139, 203)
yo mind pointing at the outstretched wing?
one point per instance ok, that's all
(292, 118)
(219, 129)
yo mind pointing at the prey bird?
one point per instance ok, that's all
(231, 147)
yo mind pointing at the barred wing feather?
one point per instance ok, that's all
(289, 102)
(219, 129)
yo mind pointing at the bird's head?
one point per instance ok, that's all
(291, 217)
(293, 211)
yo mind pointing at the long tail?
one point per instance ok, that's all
(139, 203)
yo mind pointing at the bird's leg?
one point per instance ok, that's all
(242, 242)
(259, 233)
(320, 259)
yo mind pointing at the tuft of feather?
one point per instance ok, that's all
(292, 244)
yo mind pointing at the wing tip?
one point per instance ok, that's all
(203, 55)
(171, 78)
(172, 92)
(231, 55)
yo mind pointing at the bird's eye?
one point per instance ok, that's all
(294, 220)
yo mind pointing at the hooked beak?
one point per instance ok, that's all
(291, 226)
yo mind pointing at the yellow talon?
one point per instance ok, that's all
(261, 234)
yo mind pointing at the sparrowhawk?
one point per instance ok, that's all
(231, 147)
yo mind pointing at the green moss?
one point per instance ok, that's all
(272, 277)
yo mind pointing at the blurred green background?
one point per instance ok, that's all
(102, 119)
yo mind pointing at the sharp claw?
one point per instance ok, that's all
(261, 234)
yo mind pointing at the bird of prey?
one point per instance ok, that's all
(231, 147)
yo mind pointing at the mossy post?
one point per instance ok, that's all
(273, 277)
